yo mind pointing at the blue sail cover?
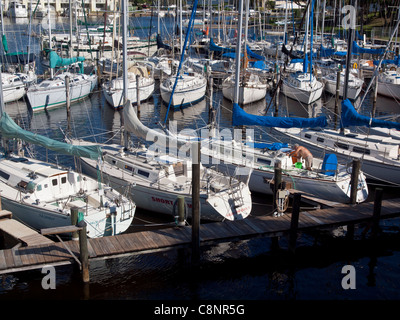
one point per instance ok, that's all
(216, 48)
(242, 118)
(57, 61)
(357, 49)
(254, 55)
(9, 129)
(350, 117)
(396, 61)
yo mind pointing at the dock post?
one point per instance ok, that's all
(294, 222)
(277, 181)
(181, 211)
(83, 250)
(354, 180)
(377, 211)
(68, 100)
(195, 203)
(74, 221)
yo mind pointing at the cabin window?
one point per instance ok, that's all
(39, 187)
(143, 173)
(4, 175)
(308, 136)
(319, 139)
(342, 145)
(54, 182)
(64, 180)
(361, 150)
(264, 161)
(128, 168)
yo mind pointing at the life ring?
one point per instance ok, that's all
(355, 66)
(392, 68)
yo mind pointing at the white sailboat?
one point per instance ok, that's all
(113, 89)
(379, 154)
(42, 195)
(183, 90)
(13, 87)
(354, 85)
(303, 86)
(51, 93)
(251, 88)
(16, 9)
(389, 83)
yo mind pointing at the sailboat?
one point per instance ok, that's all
(113, 89)
(354, 84)
(379, 154)
(51, 93)
(42, 195)
(184, 88)
(303, 86)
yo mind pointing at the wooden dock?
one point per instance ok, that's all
(34, 257)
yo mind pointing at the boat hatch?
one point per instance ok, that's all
(19, 159)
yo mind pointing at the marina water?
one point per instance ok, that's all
(242, 271)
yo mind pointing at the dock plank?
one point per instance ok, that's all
(166, 238)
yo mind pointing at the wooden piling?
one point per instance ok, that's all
(181, 211)
(195, 203)
(277, 182)
(83, 250)
(377, 211)
(294, 222)
(354, 180)
(74, 222)
(375, 94)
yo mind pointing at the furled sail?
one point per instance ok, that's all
(350, 117)
(134, 125)
(240, 117)
(9, 129)
(57, 61)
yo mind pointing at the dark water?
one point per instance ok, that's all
(243, 271)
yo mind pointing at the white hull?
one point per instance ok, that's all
(189, 90)
(389, 90)
(43, 98)
(247, 94)
(377, 168)
(306, 96)
(115, 97)
(352, 92)
(11, 94)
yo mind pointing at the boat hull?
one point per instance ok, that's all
(115, 97)
(246, 94)
(41, 99)
(304, 96)
(165, 201)
(352, 92)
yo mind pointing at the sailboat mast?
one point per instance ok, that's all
(49, 23)
(349, 50)
(70, 28)
(124, 47)
(238, 52)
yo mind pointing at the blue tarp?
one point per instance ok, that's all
(350, 117)
(214, 47)
(270, 146)
(357, 49)
(240, 118)
(329, 165)
(396, 61)
(254, 55)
